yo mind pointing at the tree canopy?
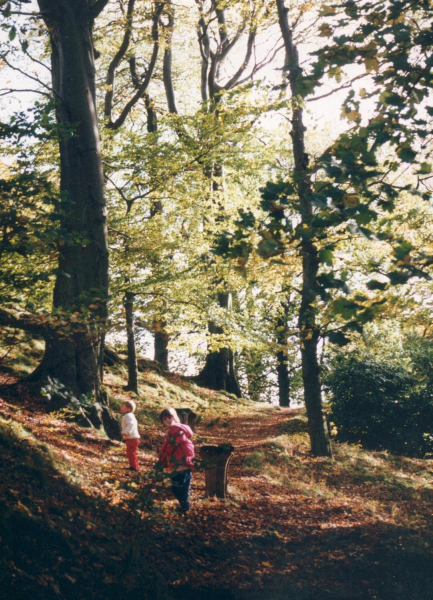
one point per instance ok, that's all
(170, 172)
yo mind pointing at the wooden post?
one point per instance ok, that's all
(216, 461)
(187, 417)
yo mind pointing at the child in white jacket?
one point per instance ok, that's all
(130, 433)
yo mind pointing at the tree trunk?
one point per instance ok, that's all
(219, 372)
(281, 356)
(161, 338)
(128, 303)
(309, 337)
(81, 289)
(308, 329)
(283, 379)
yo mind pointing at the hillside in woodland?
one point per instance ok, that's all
(223, 206)
(75, 524)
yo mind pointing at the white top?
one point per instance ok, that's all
(129, 427)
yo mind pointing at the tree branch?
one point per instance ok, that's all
(6, 91)
(38, 325)
(346, 85)
(232, 82)
(27, 75)
(167, 64)
(117, 59)
(204, 44)
(149, 72)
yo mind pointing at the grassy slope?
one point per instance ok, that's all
(75, 526)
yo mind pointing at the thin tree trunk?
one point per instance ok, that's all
(160, 336)
(282, 366)
(167, 62)
(308, 329)
(161, 343)
(219, 370)
(128, 303)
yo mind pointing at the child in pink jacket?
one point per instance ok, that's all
(176, 456)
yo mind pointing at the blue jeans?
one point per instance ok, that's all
(180, 486)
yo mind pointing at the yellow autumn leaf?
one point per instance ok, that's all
(400, 19)
(350, 200)
(325, 30)
(353, 115)
(371, 64)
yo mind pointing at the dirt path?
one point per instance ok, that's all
(265, 536)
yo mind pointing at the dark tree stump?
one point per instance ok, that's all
(187, 417)
(216, 461)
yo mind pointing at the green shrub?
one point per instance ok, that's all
(296, 425)
(381, 404)
(255, 461)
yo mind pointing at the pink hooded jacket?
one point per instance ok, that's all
(177, 451)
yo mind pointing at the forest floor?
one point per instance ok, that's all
(76, 524)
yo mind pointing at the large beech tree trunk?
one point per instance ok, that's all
(308, 329)
(81, 288)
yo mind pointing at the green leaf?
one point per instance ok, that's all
(401, 251)
(325, 30)
(406, 154)
(267, 248)
(398, 278)
(327, 11)
(373, 284)
(354, 326)
(366, 316)
(345, 308)
(12, 33)
(326, 256)
(425, 168)
(338, 338)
